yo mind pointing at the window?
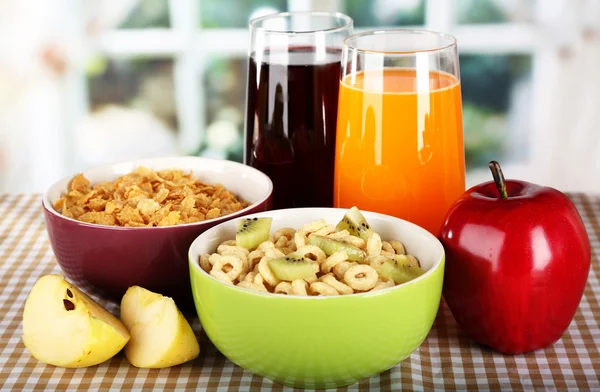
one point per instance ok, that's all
(233, 13)
(489, 11)
(143, 83)
(225, 83)
(147, 14)
(369, 13)
(495, 92)
(184, 61)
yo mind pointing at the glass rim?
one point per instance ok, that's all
(451, 38)
(348, 22)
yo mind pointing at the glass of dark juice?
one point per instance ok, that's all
(292, 102)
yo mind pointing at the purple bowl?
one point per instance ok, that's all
(106, 260)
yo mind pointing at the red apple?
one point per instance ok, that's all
(517, 261)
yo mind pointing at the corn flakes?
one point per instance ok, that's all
(147, 198)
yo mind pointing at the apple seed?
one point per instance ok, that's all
(69, 293)
(68, 305)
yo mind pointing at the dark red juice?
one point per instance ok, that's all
(291, 118)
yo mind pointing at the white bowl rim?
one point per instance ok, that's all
(367, 213)
(148, 161)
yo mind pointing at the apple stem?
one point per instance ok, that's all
(498, 178)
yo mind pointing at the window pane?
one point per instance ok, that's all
(369, 13)
(494, 11)
(132, 110)
(225, 87)
(496, 106)
(234, 13)
(147, 13)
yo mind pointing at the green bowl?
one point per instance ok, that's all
(319, 342)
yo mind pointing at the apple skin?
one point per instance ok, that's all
(516, 268)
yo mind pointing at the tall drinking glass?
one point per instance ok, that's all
(399, 147)
(292, 103)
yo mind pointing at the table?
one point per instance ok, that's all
(447, 359)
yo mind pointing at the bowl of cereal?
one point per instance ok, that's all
(316, 297)
(131, 223)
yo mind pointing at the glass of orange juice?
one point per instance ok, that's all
(399, 138)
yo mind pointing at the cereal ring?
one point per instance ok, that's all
(236, 266)
(312, 252)
(228, 242)
(338, 235)
(300, 239)
(333, 260)
(292, 246)
(413, 261)
(398, 247)
(242, 276)
(287, 251)
(204, 263)
(249, 285)
(236, 252)
(299, 287)
(267, 274)
(361, 277)
(283, 288)
(273, 253)
(236, 249)
(215, 257)
(340, 269)
(320, 288)
(374, 245)
(254, 258)
(250, 277)
(259, 281)
(287, 232)
(311, 279)
(222, 276)
(389, 255)
(245, 266)
(376, 261)
(325, 230)
(354, 241)
(313, 226)
(316, 267)
(386, 246)
(340, 287)
(281, 242)
(383, 284)
(265, 245)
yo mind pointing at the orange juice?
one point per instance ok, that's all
(399, 144)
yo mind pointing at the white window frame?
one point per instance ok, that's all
(189, 46)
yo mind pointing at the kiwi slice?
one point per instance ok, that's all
(251, 232)
(291, 267)
(330, 246)
(356, 224)
(406, 261)
(398, 271)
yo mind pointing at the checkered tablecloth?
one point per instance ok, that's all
(447, 360)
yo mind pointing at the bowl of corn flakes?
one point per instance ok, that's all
(316, 297)
(131, 223)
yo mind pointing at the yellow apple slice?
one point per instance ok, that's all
(160, 335)
(64, 327)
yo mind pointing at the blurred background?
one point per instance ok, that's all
(87, 82)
